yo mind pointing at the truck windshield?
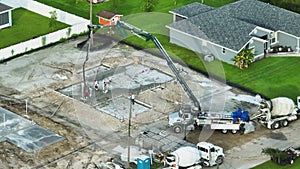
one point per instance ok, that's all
(170, 158)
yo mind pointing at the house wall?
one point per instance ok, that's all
(104, 22)
(298, 46)
(287, 40)
(258, 32)
(201, 46)
(115, 19)
(258, 48)
(108, 22)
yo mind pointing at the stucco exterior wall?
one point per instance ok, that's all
(287, 40)
(259, 33)
(201, 46)
(258, 48)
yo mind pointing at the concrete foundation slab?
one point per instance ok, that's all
(120, 108)
(121, 81)
(24, 133)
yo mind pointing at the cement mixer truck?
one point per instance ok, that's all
(277, 112)
(205, 154)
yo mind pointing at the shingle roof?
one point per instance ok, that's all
(106, 14)
(192, 9)
(4, 7)
(217, 27)
(231, 24)
(264, 15)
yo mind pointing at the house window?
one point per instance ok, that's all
(273, 40)
(223, 50)
(4, 18)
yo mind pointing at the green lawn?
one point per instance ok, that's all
(271, 165)
(272, 77)
(26, 25)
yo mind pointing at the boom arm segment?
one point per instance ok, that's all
(147, 36)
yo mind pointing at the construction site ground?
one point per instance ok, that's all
(96, 125)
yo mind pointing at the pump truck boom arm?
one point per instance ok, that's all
(147, 36)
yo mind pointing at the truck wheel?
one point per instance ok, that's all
(233, 131)
(177, 129)
(224, 131)
(276, 125)
(284, 123)
(219, 160)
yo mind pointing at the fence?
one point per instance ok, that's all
(78, 25)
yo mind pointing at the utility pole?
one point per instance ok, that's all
(129, 126)
(83, 67)
(91, 21)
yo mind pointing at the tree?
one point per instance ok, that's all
(276, 155)
(244, 58)
(149, 5)
(53, 20)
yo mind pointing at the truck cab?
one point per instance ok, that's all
(182, 120)
(210, 154)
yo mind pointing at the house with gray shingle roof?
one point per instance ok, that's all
(190, 10)
(5, 16)
(225, 31)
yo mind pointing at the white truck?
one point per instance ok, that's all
(223, 121)
(205, 154)
(277, 112)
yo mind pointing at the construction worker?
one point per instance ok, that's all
(104, 87)
(86, 93)
(90, 91)
(96, 85)
(132, 97)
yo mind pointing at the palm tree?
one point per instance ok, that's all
(244, 58)
(276, 155)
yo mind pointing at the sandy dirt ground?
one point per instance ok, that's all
(91, 135)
